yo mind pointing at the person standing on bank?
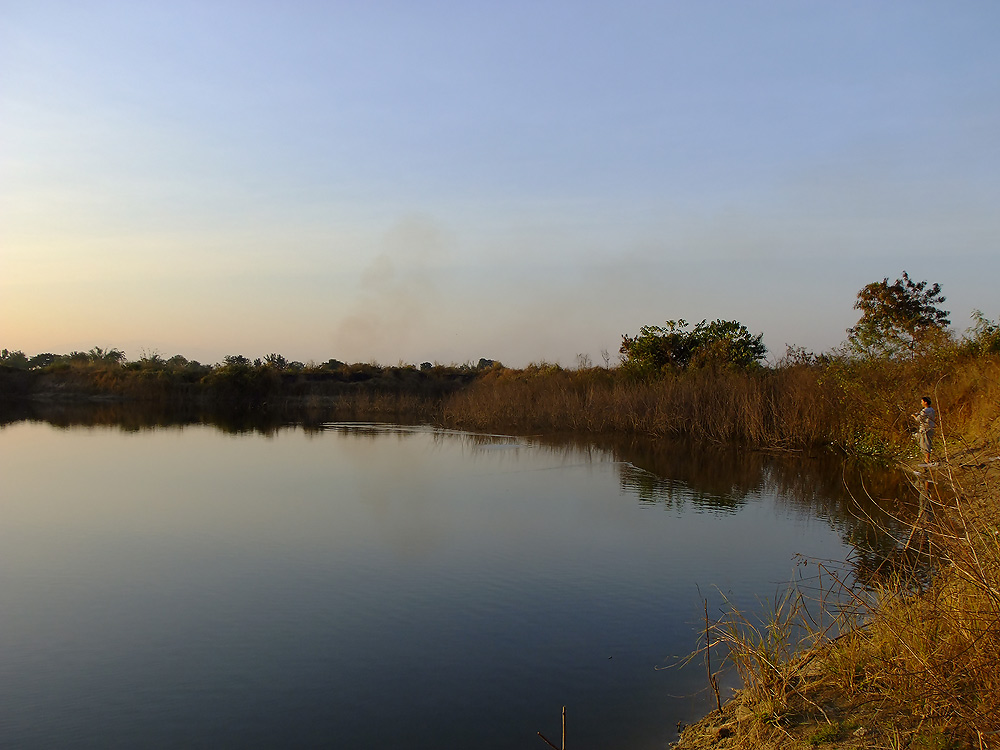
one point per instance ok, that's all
(925, 427)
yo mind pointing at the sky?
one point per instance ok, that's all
(523, 181)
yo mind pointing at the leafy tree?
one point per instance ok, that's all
(898, 318)
(15, 358)
(657, 348)
(726, 343)
(673, 347)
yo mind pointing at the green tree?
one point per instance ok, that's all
(726, 343)
(657, 348)
(676, 346)
(898, 318)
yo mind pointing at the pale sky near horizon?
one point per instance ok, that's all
(521, 181)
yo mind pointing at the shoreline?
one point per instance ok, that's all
(827, 696)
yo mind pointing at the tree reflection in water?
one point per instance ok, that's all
(863, 501)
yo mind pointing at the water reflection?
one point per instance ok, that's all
(861, 501)
(134, 418)
(468, 585)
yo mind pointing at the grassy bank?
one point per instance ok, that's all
(911, 661)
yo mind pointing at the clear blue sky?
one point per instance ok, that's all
(523, 181)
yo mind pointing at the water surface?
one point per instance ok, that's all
(361, 585)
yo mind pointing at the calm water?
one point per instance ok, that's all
(365, 586)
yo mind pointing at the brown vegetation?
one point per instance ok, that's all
(860, 407)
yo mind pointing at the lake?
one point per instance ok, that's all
(365, 585)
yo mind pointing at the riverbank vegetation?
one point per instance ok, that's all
(858, 405)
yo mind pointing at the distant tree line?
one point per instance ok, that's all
(154, 362)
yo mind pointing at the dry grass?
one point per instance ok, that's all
(768, 408)
(861, 407)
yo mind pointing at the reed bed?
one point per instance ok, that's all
(769, 408)
(860, 407)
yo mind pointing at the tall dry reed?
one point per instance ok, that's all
(782, 408)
